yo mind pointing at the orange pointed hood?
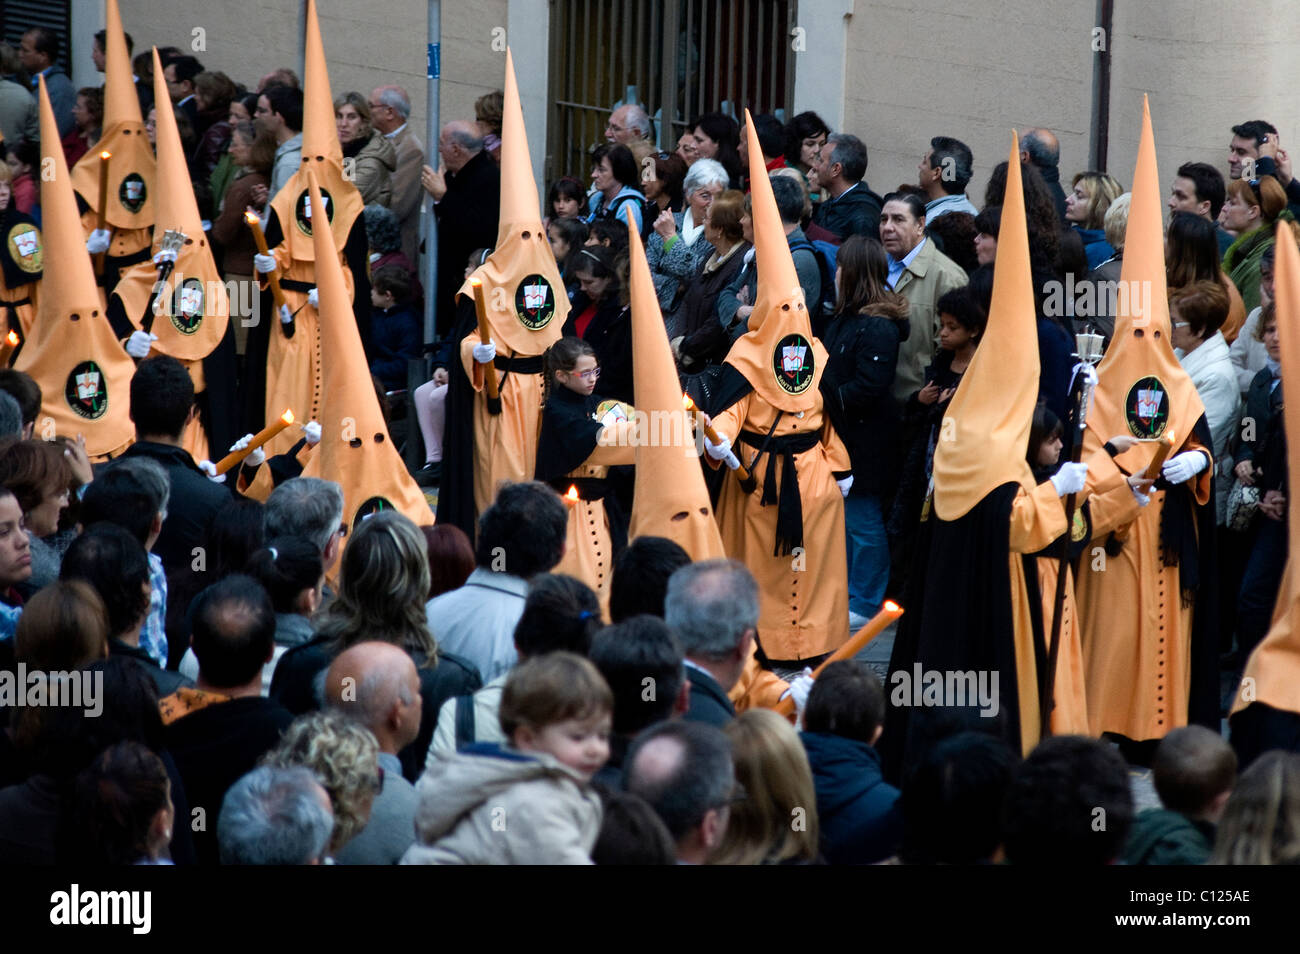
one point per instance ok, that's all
(193, 310)
(670, 499)
(322, 152)
(986, 428)
(778, 356)
(355, 449)
(1272, 674)
(1142, 390)
(83, 373)
(526, 303)
(131, 169)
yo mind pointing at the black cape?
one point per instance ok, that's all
(456, 492)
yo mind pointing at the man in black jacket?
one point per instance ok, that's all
(466, 192)
(712, 606)
(162, 405)
(1040, 148)
(851, 208)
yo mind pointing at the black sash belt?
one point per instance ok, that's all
(292, 284)
(124, 262)
(789, 503)
(517, 365)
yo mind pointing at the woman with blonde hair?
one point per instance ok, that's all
(1261, 822)
(1085, 210)
(344, 757)
(383, 586)
(776, 821)
(1251, 212)
(366, 151)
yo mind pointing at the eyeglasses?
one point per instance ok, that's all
(589, 375)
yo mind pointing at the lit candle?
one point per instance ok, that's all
(889, 612)
(265, 434)
(485, 337)
(732, 460)
(259, 238)
(571, 497)
(102, 219)
(10, 345)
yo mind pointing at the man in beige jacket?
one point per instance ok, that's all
(390, 110)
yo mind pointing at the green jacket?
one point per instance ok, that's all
(1162, 837)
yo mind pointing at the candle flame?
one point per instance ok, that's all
(13, 339)
(251, 218)
(687, 402)
(476, 282)
(106, 155)
(287, 416)
(572, 495)
(892, 607)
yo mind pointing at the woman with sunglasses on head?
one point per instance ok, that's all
(580, 439)
(1251, 211)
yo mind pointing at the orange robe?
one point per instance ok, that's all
(505, 444)
(589, 552)
(293, 371)
(1136, 632)
(803, 596)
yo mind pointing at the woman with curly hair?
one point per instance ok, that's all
(383, 586)
(344, 757)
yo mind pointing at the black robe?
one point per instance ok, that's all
(456, 492)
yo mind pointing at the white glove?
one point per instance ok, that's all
(264, 263)
(1183, 467)
(98, 241)
(1070, 478)
(1141, 498)
(256, 459)
(717, 451)
(312, 432)
(800, 686)
(166, 255)
(210, 469)
(286, 316)
(844, 485)
(313, 299)
(138, 345)
(485, 353)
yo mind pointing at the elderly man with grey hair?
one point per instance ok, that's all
(376, 684)
(712, 606)
(1040, 148)
(390, 113)
(466, 190)
(307, 507)
(850, 207)
(677, 247)
(629, 125)
(275, 816)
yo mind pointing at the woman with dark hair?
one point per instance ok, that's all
(600, 316)
(565, 199)
(1251, 211)
(661, 181)
(292, 573)
(39, 476)
(987, 226)
(718, 137)
(213, 92)
(567, 237)
(862, 341)
(373, 159)
(88, 116)
(805, 135)
(954, 235)
(252, 156)
(1040, 212)
(451, 557)
(123, 812)
(383, 586)
(1192, 255)
(616, 177)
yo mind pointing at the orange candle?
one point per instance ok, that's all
(889, 612)
(262, 436)
(102, 219)
(259, 238)
(485, 337)
(1162, 451)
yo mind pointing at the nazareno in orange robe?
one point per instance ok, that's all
(1136, 631)
(505, 444)
(803, 596)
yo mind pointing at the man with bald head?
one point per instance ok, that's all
(376, 684)
(684, 770)
(1040, 148)
(390, 112)
(466, 190)
(629, 125)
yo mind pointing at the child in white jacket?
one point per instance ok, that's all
(531, 803)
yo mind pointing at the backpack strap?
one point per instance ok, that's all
(465, 727)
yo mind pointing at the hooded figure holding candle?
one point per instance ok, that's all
(524, 309)
(974, 605)
(789, 531)
(284, 348)
(22, 254)
(83, 374)
(188, 318)
(1266, 709)
(123, 228)
(1147, 602)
